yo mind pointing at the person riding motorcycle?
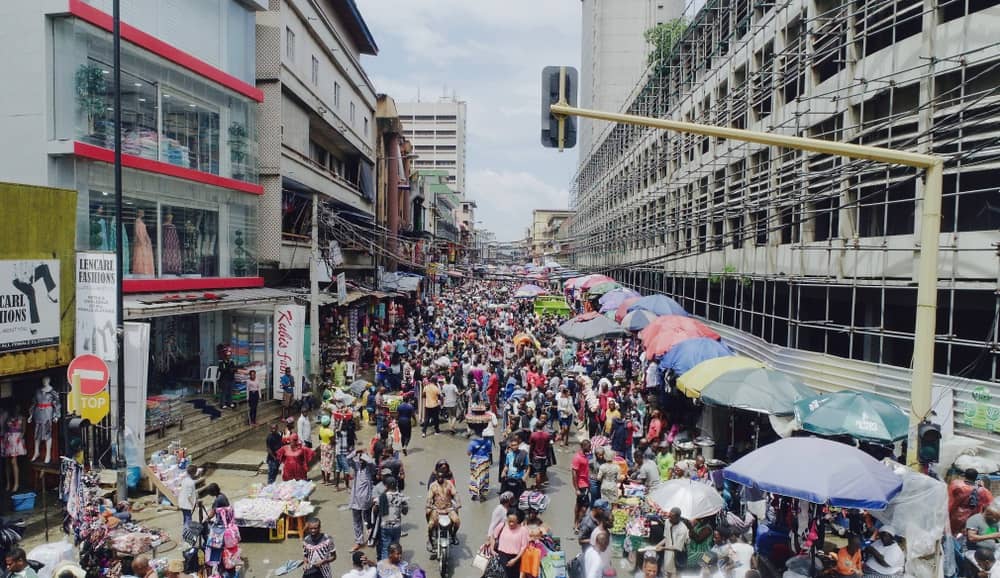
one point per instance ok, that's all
(442, 500)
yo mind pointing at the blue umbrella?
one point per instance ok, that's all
(818, 471)
(612, 299)
(690, 353)
(659, 304)
(638, 320)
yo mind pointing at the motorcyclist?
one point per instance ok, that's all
(442, 500)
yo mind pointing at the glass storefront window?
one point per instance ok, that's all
(169, 114)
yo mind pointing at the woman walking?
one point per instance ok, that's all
(294, 459)
(509, 542)
(479, 452)
(326, 450)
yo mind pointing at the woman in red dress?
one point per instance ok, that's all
(294, 459)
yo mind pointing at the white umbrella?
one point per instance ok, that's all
(695, 499)
(443, 361)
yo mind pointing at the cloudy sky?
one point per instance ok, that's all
(490, 54)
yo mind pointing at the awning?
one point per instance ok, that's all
(399, 281)
(147, 305)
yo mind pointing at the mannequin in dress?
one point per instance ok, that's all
(13, 446)
(142, 247)
(171, 246)
(44, 412)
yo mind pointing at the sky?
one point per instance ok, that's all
(489, 54)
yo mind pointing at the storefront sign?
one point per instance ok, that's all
(29, 304)
(289, 340)
(336, 255)
(341, 288)
(96, 304)
(88, 376)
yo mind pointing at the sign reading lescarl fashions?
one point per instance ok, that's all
(289, 342)
(96, 307)
(29, 304)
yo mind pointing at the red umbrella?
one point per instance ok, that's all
(673, 331)
(622, 310)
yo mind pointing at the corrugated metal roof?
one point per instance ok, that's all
(146, 305)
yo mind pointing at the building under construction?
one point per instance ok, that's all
(809, 252)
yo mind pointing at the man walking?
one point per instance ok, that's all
(432, 408)
(273, 443)
(227, 377)
(361, 495)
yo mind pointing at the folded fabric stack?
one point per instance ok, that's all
(141, 143)
(258, 512)
(285, 491)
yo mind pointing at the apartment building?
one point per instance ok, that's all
(546, 239)
(808, 255)
(437, 131)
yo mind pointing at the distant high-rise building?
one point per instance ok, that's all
(615, 55)
(437, 131)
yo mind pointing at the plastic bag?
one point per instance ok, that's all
(51, 555)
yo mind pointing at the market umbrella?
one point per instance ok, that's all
(622, 310)
(638, 320)
(590, 326)
(669, 334)
(690, 353)
(603, 288)
(861, 415)
(528, 291)
(593, 280)
(526, 339)
(691, 382)
(612, 299)
(760, 390)
(574, 281)
(818, 471)
(358, 387)
(695, 499)
(659, 304)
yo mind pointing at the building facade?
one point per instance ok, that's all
(614, 54)
(437, 131)
(806, 251)
(546, 225)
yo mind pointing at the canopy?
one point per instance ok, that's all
(590, 326)
(659, 304)
(623, 308)
(674, 331)
(861, 415)
(695, 499)
(818, 471)
(756, 389)
(638, 320)
(694, 380)
(602, 288)
(612, 299)
(690, 353)
(528, 291)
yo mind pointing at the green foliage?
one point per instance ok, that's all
(663, 37)
(729, 272)
(91, 88)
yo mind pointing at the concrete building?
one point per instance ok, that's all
(615, 54)
(805, 260)
(437, 131)
(317, 133)
(544, 232)
(393, 207)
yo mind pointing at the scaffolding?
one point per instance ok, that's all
(809, 250)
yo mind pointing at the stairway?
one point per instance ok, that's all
(204, 432)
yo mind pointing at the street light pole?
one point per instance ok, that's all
(119, 456)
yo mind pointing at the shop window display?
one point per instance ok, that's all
(190, 132)
(190, 241)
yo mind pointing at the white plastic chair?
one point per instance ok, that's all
(211, 378)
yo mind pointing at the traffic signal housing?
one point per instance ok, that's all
(559, 86)
(928, 442)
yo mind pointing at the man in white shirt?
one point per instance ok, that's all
(884, 556)
(187, 495)
(304, 429)
(450, 393)
(594, 560)
(675, 539)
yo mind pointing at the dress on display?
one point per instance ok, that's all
(142, 250)
(126, 257)
(171, 249)
(13, 438)
(44, 413)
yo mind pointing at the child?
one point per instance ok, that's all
(531, 560)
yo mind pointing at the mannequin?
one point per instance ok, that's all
(171, 246)
(13, 446)
(44, 412)
(142, 247)
(192, 259)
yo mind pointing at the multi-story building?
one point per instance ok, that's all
(615, 54)
(544, 232)
(189, 150)
(808, 256)
(394, 211)
(437, 131)
(317, 134)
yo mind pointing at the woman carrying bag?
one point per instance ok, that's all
(509, 543)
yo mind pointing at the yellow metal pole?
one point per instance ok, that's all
(930, 226)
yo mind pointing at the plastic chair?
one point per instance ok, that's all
(211, 378)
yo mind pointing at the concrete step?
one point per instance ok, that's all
(202, 435)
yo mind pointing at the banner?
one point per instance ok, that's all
(29, 304)
(136, 379)
(341, 288)
(289, 340)
(96, 304)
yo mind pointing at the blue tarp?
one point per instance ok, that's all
(659, 304)
(818, 471)
(690, 353)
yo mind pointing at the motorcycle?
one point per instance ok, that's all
(442, 544)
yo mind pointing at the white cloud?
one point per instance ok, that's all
(505, 200)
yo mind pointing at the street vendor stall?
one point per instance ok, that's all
(275, 506)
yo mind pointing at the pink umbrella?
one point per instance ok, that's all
(594, 280)
(673, 332)
(622, 310)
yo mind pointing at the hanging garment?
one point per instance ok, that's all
(171, 250)
(142, 250)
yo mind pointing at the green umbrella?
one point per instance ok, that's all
(756, 389)
(602, 288)
(861, 415)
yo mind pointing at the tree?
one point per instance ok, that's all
(663, 37)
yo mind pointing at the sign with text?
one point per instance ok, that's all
(289, 341)
(341, 288)
(88, 376)
(96, 309)
(29, 304)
